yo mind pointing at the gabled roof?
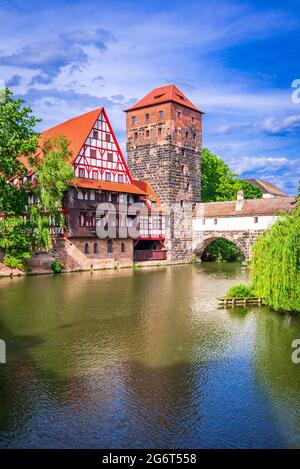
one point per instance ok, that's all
(76, 130)
(267, 187)
(251, 207)
(164, 94)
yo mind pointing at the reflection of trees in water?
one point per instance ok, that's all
(279, 377)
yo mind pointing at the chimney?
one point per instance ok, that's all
(239, 201)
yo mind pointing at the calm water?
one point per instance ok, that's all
(144, 359)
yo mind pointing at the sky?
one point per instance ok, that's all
(236, 60)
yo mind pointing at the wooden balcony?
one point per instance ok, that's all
(149, 255)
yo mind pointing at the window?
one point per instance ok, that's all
(179, 114)
(183, 151)
(161, 114)
(92, 195)
(181, 203)
(255, 219)
(81, 172)
(120, 177)
(86, 248)
(183, 168)
(194, 136)
(80, 195)
(147, 117)
(193, 119)
(147, 133)
(107, 137)
(215, 221)
(203, 221)
(107, 176)
(133, 120)
(95, 174)
(186, 135)
(159, 130)
(109, 246)
(93, 153)
(95, 248)
(95, 133)
(123, 247)
(114, 198)
(135, 135)
(110, 157)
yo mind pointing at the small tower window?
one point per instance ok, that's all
(179, 114)
(215, 221)
(159, 131)
(133, 120)
(194, 136)
(147, 133)
(193, 119)
(123, 247)
(255, 219)
(135, 135)
(161, 114)
(95, 248)
(186, 135)
(147, 117)
(109, 246)
(86, 248)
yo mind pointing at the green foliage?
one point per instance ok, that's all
(240, 291)
(16, 241)
(56, 266)
(222, 250)
(53, 173)
(17, 139)
(21, 236)
(219, 183)
(135, 267)
(276, 264)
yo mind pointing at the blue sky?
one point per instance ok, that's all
(235, 60)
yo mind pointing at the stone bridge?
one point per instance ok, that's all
(243, 240)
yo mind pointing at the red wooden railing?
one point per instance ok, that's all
(149, 255)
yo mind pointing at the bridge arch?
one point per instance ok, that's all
(209, 238)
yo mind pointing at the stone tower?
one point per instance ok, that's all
(164, 139)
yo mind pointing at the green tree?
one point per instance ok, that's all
(276, 263)
(18, 145)
(219, 183)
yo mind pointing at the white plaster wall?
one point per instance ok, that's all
(233, 223)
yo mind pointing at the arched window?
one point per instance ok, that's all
(123, 247)
(109, 246)
(86, 248)
(95, 248)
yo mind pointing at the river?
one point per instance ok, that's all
(129, 359)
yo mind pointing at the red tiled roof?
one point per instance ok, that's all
(107, 186)
(76, 130)
(164, 94)
(251, 207)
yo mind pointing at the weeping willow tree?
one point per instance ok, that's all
(276, 264)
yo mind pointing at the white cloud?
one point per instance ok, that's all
(273, 125)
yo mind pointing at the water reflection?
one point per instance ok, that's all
(133, 359)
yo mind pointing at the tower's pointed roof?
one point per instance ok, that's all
(164, 94)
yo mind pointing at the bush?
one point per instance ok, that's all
(56, 267)
(240, 291)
